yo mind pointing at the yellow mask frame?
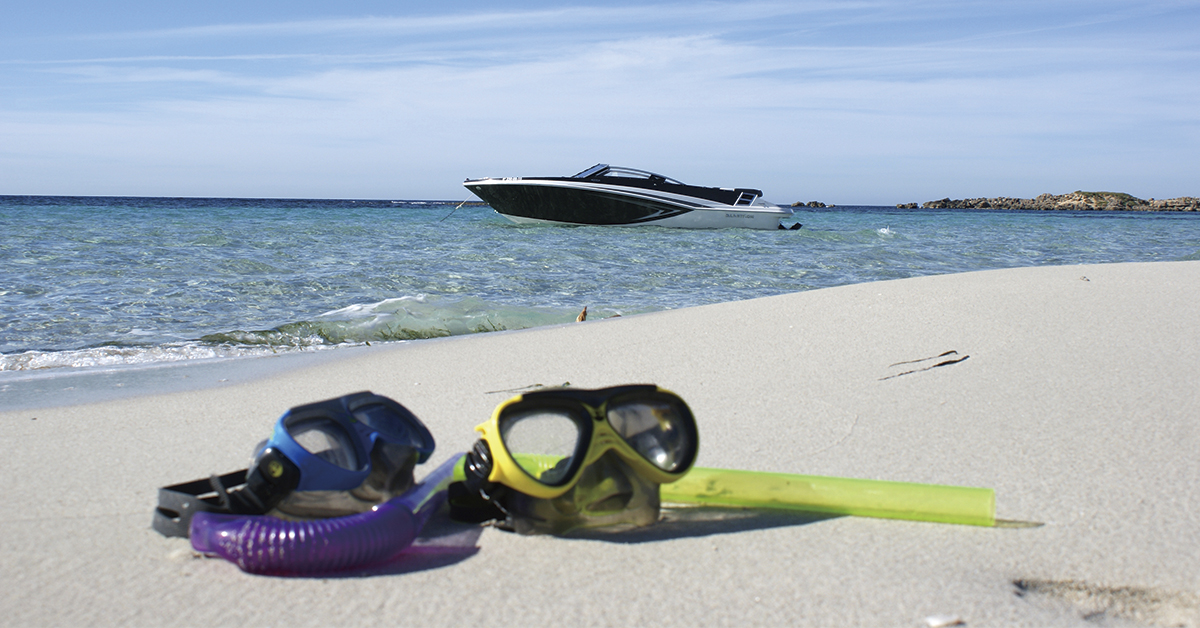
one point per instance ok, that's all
(541, 441)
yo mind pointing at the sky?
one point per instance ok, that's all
(871, 102)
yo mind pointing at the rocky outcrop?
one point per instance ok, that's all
(1181, 204)
(810, 204)
(1075, 201)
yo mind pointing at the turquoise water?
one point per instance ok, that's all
(107, 281)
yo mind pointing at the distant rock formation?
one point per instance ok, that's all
(810, 204)
(1075, 201)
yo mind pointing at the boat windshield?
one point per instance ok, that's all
(605, 170)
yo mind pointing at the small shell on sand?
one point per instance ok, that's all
(943, 621)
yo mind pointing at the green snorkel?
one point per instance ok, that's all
(836, 496)
(830, 495)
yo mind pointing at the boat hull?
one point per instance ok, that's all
(585, 203)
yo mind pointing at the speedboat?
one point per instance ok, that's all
(613, 195)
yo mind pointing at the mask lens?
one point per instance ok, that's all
(542, 441)
(325, 439)
(655, 428)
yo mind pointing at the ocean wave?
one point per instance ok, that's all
(399, 319)
(403, 318)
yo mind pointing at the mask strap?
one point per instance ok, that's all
(222, 492)
(178, 502)
(242, 492)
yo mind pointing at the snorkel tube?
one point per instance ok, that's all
(836, 496)
(829, 495)
(262, 544)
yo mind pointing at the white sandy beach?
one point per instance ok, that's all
(1079, 404)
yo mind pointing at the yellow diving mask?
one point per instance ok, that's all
(558, 459)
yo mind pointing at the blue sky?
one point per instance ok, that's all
(848, 102)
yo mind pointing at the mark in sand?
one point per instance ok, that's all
(1106, 604)
(524, 389)
(944, 359)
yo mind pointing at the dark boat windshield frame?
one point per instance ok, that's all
(605, 170)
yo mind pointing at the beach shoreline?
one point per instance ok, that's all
(66, 386)
(1072, 392)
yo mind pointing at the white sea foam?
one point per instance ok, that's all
(128, 356)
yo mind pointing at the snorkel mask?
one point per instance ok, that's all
(327, 459)
(557, 460)
(352, 453)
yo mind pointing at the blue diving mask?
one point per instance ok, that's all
(332, 441)
(326, 459)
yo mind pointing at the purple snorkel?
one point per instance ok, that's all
(263, 544)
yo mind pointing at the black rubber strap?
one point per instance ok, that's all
(178, 502)
(469, 506)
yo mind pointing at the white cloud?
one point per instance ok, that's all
(411, 117)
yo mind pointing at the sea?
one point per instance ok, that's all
(92, 283)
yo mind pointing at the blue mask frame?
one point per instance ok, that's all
(351, 425)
